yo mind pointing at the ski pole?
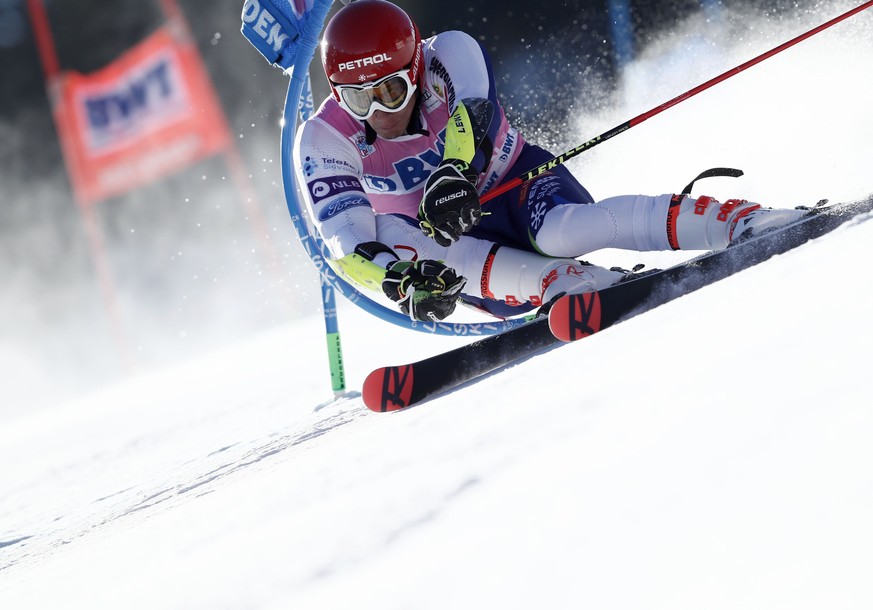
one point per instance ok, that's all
(564, 157)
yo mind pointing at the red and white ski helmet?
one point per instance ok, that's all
(367, 40)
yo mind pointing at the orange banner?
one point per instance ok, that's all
(150, 113)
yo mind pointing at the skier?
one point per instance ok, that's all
(394, 162)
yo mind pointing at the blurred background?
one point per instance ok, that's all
(195, 260)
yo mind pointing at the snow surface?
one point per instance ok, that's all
(713, 453)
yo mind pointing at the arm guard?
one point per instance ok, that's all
(470, 136)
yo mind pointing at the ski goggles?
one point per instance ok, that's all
(389, 94)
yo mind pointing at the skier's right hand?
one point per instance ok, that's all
(426, 290)
(450, 205)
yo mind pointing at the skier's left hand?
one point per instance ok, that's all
(425, 290)
(450, 205)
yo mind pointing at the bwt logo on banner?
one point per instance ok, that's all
(140, 101)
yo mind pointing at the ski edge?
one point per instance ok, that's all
(392, 388)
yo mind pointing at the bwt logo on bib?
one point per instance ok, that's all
(379, 58)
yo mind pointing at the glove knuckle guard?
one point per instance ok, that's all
(426, 290)
(450, 205)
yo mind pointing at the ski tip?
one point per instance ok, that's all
(575, 316)
(388, 388)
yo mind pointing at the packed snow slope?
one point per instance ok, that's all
(712, 453)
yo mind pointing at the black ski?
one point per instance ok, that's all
(577, 316)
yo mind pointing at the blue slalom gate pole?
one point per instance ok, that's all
(306, 108)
